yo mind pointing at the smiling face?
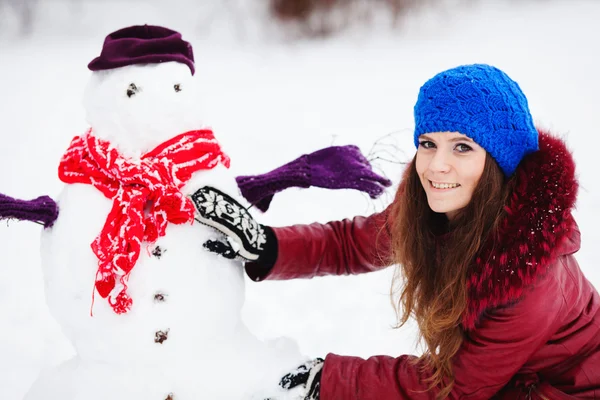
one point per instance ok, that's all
(449, 165)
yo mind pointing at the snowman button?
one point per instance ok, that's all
(158, 252)
(161, 336)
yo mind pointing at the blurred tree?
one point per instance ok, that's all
(318, 18)
(24, 11)
(315, 18)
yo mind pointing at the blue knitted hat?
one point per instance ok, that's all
(482, 102)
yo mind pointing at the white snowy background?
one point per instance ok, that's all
(270, 100)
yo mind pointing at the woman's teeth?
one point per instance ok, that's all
(444, 185)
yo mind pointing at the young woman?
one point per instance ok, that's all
(481, 229)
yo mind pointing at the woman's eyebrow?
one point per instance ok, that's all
(454, 139)
(459, 138)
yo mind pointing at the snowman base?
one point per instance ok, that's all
(78, 379)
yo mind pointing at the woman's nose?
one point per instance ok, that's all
(440, 162)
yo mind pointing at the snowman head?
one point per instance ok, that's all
(141, 91)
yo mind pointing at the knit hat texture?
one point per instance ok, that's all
(483, 103)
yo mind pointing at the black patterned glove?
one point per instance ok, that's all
(246, 237)
(309, 376)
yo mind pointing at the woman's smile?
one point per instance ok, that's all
(442, 187)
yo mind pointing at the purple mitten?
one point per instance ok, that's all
(335, 167)
(259, 189)
(345, 167)
(42, 210)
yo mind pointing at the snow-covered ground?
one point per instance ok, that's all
(269, 103)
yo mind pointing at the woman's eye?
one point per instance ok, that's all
(177, 87)
(426, 144)
(463, 148)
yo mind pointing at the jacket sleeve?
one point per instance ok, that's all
(336, 248)
(489, 358)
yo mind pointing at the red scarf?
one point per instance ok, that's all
(146, 196)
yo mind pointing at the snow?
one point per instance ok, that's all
(269, 103)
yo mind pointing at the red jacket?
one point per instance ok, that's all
(532, 324)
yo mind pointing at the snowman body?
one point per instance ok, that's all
(183, 338)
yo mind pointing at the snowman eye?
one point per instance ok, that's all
(132, 89)
(177, 87)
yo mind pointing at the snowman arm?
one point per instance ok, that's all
(259, 189)
(334, 167)
(42, 210)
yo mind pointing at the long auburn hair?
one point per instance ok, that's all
(434, 256)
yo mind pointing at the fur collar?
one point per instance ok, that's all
(537, 223)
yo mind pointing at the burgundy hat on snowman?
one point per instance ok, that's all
(143, 44)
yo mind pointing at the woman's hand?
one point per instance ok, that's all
(307, 375)
(246, 238)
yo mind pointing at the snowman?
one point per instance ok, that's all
(152, 314)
